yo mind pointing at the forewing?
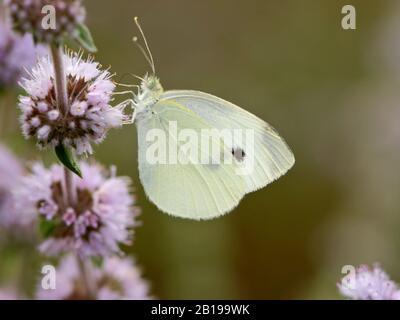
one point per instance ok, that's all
(267, 159)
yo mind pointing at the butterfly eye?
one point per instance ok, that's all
(239, 154)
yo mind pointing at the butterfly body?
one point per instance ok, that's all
(148, 94)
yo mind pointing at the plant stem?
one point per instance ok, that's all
(70, 189)
(4, 14)
(60, 78)
(62, 103)
(87, 284)
(71, 195)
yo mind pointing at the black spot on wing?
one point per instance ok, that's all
(238, 154)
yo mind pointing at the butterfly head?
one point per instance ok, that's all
(149, 92)
(151, 85)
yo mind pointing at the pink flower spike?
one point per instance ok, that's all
(90, 116)
(27, 17)
(102, 218)
(369, 284)
(116, 279)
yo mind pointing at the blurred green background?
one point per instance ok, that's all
(332, 94)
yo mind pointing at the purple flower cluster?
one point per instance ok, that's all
(369, 284)
(100, 220)
(90, 115)
(67, 102)
(116, 279)
(17, 53)
(27, 17)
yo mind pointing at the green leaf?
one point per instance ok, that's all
(84, 38)
(97, 261)
(66, 158)
(46, 227)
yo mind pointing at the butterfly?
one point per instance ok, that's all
(185, 186)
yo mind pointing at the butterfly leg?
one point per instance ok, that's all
(128, 85)
(122, 106)
(125, 92)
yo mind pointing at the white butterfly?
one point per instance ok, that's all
(193, 189)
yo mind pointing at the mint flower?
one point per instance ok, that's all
(27, 17)
(369, 284)
(101, 219)
(115, 279)
(17, 53)
(90, 114)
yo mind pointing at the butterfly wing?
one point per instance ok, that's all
(268, 157)
(191, 190)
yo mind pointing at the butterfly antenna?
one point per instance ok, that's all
(147, 52)
(143, 51)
